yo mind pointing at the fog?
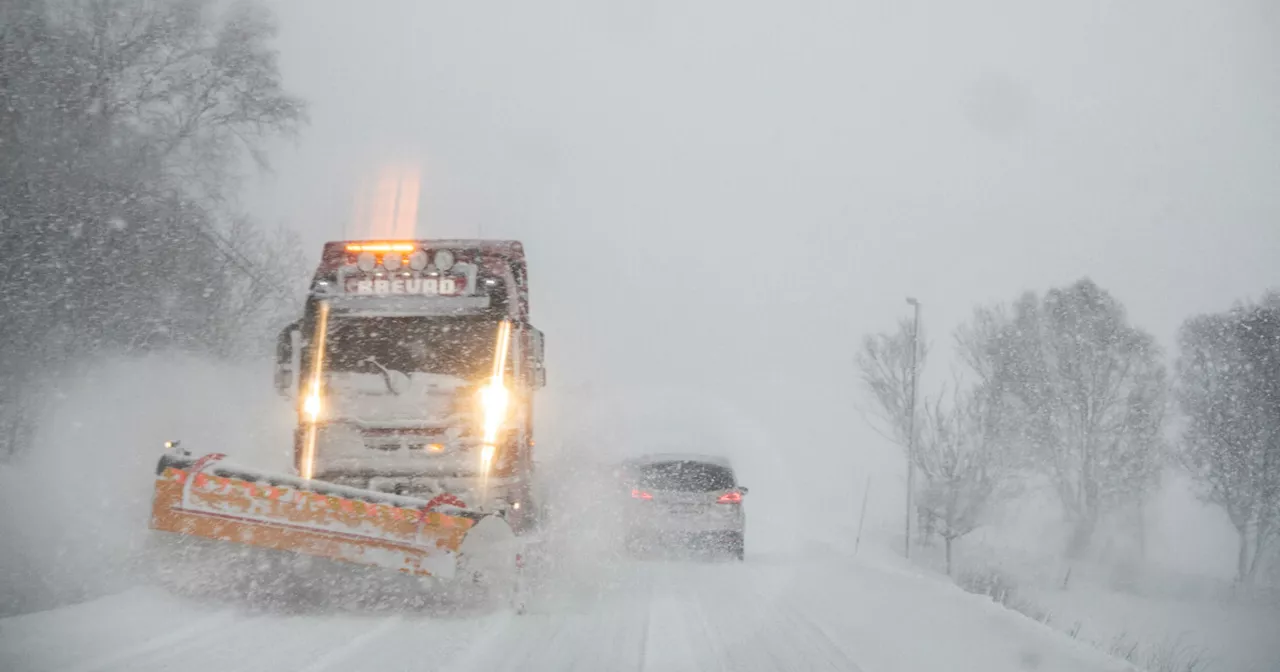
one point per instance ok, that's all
(719, 199)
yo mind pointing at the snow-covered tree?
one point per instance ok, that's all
(122, 124)
(1090, 390)
(1229, 390)
(1062, 384)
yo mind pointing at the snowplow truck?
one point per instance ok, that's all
(413, 368)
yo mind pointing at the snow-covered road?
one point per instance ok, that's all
(818, 610)
(800, 601)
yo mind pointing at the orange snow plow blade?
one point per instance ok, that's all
(206, 497)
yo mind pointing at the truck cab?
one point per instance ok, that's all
(414, 367)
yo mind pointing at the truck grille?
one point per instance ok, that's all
(389, 440)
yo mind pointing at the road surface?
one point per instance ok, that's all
(815, 608)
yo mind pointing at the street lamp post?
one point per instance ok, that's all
(911, 422)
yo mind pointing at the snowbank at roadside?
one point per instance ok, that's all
(77, 502)
(1153, 615)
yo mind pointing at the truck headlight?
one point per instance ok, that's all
(494, 399)
(311, 406)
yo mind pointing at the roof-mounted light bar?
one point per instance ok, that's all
(381, 247)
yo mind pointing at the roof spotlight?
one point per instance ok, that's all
(418, 260)
(444, 260)
(366, 261)
(391, 261)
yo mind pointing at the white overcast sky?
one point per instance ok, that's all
(723, 196)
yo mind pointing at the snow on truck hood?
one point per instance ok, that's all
(365, 397)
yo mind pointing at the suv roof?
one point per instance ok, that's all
(680, 457)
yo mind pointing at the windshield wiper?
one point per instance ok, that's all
(386, 374)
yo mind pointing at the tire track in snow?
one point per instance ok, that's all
(818, 645)
(597, 624)
(599, 631)
(793, 639)
(642, 656)
(197, 630)
(344, 651)
(489, 632)
(712, 635)
(681, 634)
(835, 653)
(722, 590)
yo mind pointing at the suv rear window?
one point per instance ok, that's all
(686, 476)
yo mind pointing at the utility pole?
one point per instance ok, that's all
(911, 422)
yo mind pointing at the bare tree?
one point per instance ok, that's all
(884, 364)
(269, 278)
(966, 460)
(191, 91)
(1229, 390)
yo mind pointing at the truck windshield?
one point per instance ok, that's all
(454, 346)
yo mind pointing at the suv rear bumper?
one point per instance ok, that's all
(641, 542)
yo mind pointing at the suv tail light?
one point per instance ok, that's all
(637, 493)
(734, 497)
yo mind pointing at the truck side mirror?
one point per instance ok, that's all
(539, 363)
(284, 378)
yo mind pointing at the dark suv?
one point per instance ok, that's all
(689, 501)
